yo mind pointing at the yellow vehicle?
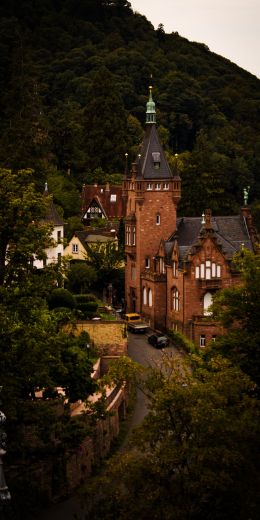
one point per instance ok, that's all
(135, 323)
(132, 317)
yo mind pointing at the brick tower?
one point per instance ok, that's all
(152, 193)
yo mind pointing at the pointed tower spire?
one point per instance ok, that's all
(150, 109)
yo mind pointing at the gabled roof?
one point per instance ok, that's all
(151, 144)
(229, 232)
(109, 199)
(52, 215)
(98, 235)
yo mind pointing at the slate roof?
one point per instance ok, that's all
(230, 232)
(52, 215)
(112, 207)
(146, 168)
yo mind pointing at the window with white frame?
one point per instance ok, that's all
(144, 296)
(93, 211)
(147, 262)
(134, 236)
(165, 185)
(128, 235)
(75, 248)
(174, 269)
(157, 186)
(202, 340)
(150, 298)
(161, 265)
(175, 299)
(113, 197)
(158, 219)
(149, 186)
(208, 270)
(207, 301)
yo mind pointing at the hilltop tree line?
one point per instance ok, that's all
(74, 78)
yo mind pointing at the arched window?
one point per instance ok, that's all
(174, 269)
(175, 299)
(144, 296)
(207, 301)
(161, 265)
(128, 235)
(133, 236)
(150, 298)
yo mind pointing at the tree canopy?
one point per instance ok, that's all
(73, 96)
(38, 356)
(238, 310)
(196, 454)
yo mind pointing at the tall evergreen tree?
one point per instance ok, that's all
(105, 124)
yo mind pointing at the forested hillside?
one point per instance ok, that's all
(74, 78)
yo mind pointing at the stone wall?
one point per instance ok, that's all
(59, 475)
(109, 337)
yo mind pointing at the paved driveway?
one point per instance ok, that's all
(141, 351)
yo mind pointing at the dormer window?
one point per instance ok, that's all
(156, 160)
(174, 269)
(161, 265)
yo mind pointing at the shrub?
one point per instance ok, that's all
(61, 298)
(88, 309)
(84, 298)
(181, 342)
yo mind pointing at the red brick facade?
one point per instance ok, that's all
(174, 266)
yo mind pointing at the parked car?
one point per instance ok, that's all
(158, 340)
(135, 323)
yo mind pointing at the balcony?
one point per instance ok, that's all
(146, 274)
(213, 283)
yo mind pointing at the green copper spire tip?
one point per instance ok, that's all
(150, 109)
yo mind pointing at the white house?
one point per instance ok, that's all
(55, 252)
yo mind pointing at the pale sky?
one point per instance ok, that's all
(230, 28)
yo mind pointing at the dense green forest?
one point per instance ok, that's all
(74, 78)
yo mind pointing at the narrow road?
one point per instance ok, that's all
(140, 351)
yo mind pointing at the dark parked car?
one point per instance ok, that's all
(158, 340)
